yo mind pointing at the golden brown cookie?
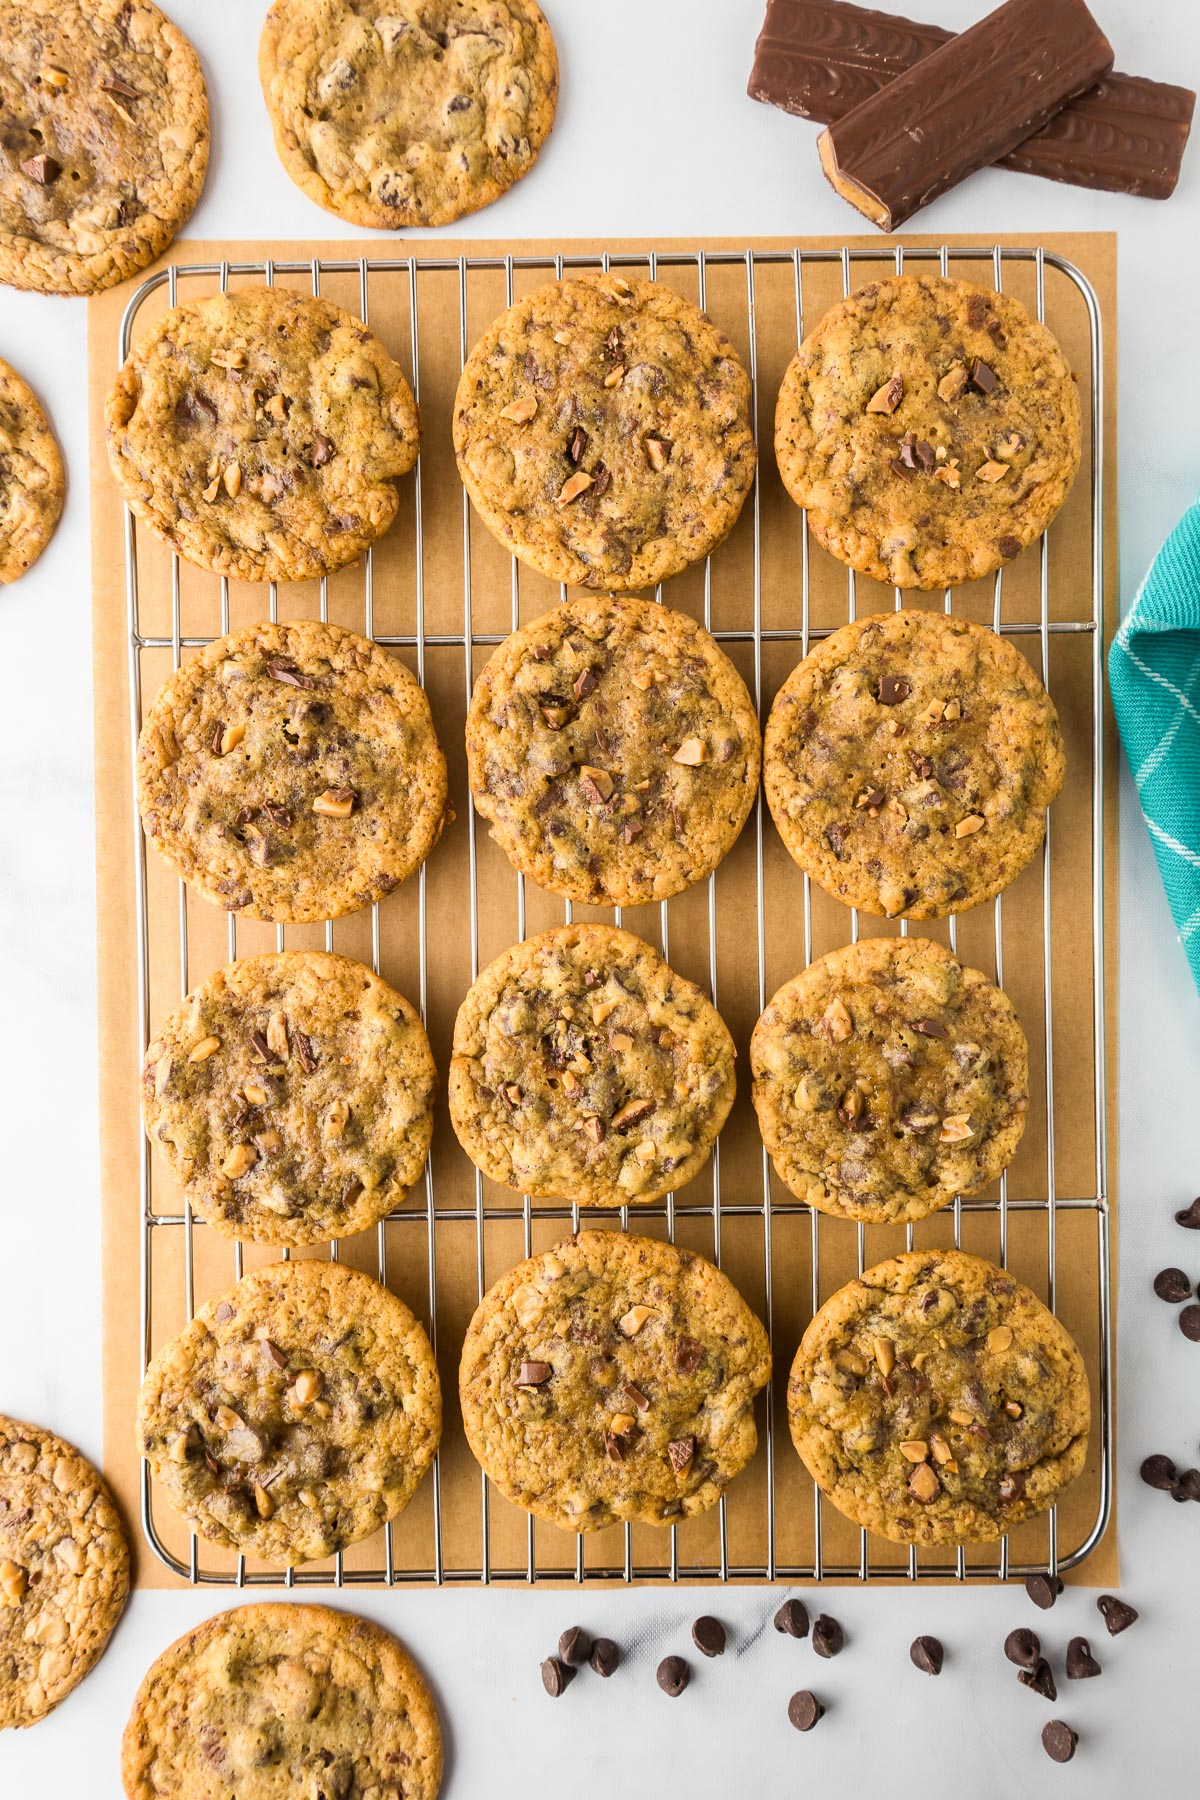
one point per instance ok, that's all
(32, 482)
(935, 1400)
(888, 1078)
(276, 1700)
(393, 113)
(613, 1378)
(931, 429)
(586, 1069)
(292, 1096)
(261, 433)
(908, 763)
(615, 750)
(291, 772)
(603, 431)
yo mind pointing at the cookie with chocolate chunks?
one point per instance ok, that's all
(935, 1400)
(613, 1378)
(33, 483)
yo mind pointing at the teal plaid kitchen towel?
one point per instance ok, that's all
(1154, 674)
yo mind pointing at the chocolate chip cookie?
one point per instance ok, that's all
(64, 1570)
(291, 772)
(292, 1096)
(887, 1079)
(603, 431)
(613, 1378)
(393, 113)
(615, 750)
(261, 434)
(32, 483)
(908, 763)
(931, 429)
(935, 1400)
(294, 1414)
(105, 143)
(586, 1069)
(278, 1699)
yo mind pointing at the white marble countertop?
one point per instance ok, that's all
(655, 135)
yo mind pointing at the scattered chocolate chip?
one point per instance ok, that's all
(981, 378)
(575, 1646)
(1118, 1615)
(804, 1709)
(1040, 1679)
(687, 1356)
(1190, 1216)
(282, 668)
(605, 1657)
(45, 170)
(927, 1655)
(925, 455)
(223, 1312)
(578, 445)
(1023, 1647)
(534, 1374)
(556, 1676)
(828, 1638)
(930, 1028)
(1172, 1285)
(304, 1051)
(1081, 1664)
(891, 690)
(673, 1675)
(112, 84)
(1159, 1472)
(601, 479)
(681, 1452)
(322, 450)
(1008, 545)
(1059, 1741)
(708, 1635)
(1188, 1485)
(1043, 1590)
(1189, 1323)
(792, 1619)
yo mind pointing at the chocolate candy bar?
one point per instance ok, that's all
(821, 58)
(963, 107)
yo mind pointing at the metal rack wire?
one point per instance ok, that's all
(169, 1237)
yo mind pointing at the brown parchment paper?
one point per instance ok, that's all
(444, 1262)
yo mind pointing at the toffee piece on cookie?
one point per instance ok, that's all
(930, 428)
(908, 763)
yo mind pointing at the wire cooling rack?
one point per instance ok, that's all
(441, 594)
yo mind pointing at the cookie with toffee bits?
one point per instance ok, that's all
(887, 1079)
(262, 433)
(586, 1069)
(393, 113)
(105, 143)
(292, 1096)
(294, 1414)
(291, 772)
(64, 1570)
(935, 1400)
(342, 1707)
(602, 429)
(32, 482)
(908, 763)
(931, 429)
(615, 750)
(611, 1379)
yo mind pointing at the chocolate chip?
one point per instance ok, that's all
(45, 170)
(804, 1709)
(322, 450)
(605, 1657)
(930, 1028)
(1190, 1216)
(534, 1374)
(792, 1619)
(708, 1635)
(1159, 1472)
(1081, 1664)
(304, 1051)
(687, 1355)
(828, 1638)
(981, 378)
(1173, 1286)
(925, 455)
(1044, 1590)
(1023, 1647)
(112, 84)
(1188, 1485)
(1189, 1323)
(1118, 1615)
(927, 1655)
(673, 1675)
(891, 690)
(282, 668)
(1059, 1741)
(223, 1312)
(556, 1677)
(1008, 545)
(1040, 1679)
(575, 1646)
(908, 444)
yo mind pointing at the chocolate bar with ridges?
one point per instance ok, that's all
(821, 58)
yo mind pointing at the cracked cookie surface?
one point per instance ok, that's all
(887, 1079)
(291, 772)
(276, 1700)
(613, 1378)
(105, 143)
(262, 433)
(586, 1069)
(935, 1400)
(615, 750)
(908, 762)
(292, 1096)
(931, 429)
(64, 1570)
(603, 431)
(294, 1414)
(33, 483)
(394, 113)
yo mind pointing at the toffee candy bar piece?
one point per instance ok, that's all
(960, 109)
(821, 58)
